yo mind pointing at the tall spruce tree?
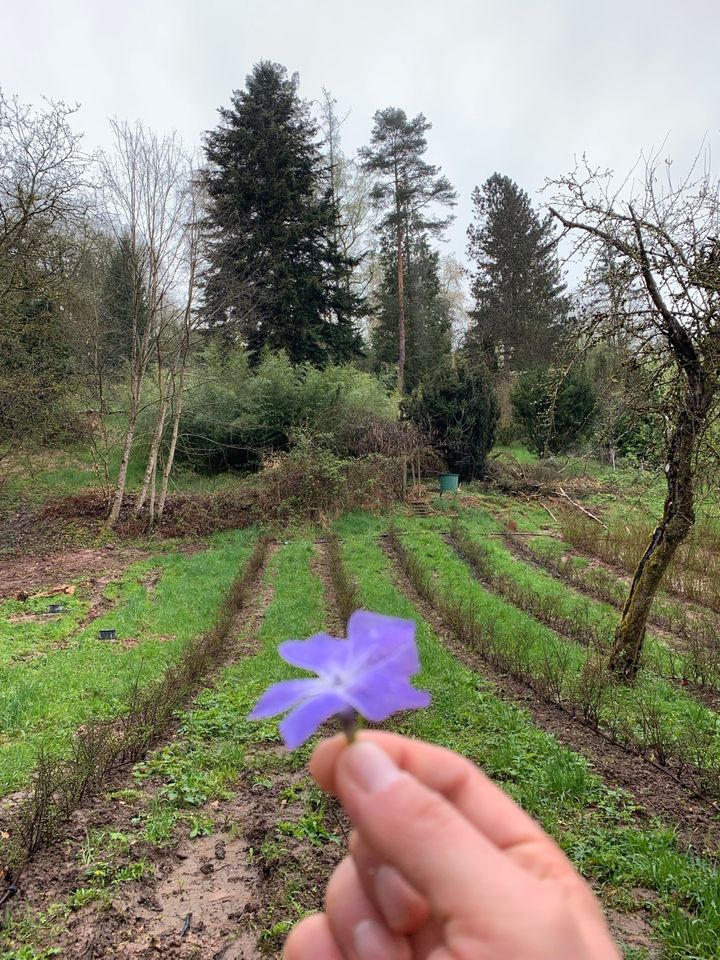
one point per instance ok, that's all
(428, 321)
(275, 274)
(408, 189)
(519, 309)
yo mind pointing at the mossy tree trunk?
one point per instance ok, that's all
(676, 522)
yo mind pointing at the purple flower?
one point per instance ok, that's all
(369, 673)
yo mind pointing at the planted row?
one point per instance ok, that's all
(695, 637)
(587, 622)
(593, 824)
(80, 767)
(693, 575)
(651, 717)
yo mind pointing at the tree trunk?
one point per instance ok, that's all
(124, 462)
(171, 450)
(677, 521)
(401, 312)
(150, 469)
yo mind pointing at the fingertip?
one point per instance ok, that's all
(324, 759)
(327, 753)
(311, 939)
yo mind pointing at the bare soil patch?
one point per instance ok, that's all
(21, 578)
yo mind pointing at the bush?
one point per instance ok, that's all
(235, 414)
(312, 483)
(457, 408)
(553, 412)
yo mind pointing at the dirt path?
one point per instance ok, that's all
(322, 568)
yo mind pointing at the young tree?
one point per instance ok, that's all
(516, 282)
(407, 189)
(667, 255)
(428, 324)
(275, 269)
(145, 189)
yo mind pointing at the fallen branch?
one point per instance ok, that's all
(581, 508)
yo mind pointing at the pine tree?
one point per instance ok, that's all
(427, 312)
(275, 274)
(407, 189)
(520, 309)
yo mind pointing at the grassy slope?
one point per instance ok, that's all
(49, 474)
(44, 699)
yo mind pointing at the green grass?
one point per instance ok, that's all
(48, 474)
(531, 519)
(217, 746)
(588, 620)
(44, 699)
(654, 715)
(591, 822)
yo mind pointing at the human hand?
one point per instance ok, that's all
(443, 866)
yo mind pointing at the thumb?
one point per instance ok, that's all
(423, 836)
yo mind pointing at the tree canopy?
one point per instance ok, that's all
(276, 275)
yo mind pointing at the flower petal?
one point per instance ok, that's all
(302, 723)
(379, 693)
(283, 696)
(321, 653)
(377, 639)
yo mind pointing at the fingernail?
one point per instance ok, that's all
(374, 942)
(371, 767)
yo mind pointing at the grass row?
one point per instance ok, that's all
(590, 622)
(44, 699)
(653, 716)
(694, 573)
(592, 823)
(217, 748)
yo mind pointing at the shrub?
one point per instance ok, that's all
(312, 483)
(457, 408)
(235, 414)
(552, 411)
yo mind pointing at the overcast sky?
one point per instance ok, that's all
(513, 86)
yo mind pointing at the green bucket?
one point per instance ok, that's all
(448, 483)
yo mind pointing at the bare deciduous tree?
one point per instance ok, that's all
(667, 255)
(145, 184)
(42, 172)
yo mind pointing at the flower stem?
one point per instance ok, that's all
(348, 722)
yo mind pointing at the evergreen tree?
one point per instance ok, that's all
(123, 306)
(407, 188)
(275, 272)
(427, 313)
(458, 409)
(519, 304)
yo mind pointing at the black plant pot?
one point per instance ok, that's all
(107, 634)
